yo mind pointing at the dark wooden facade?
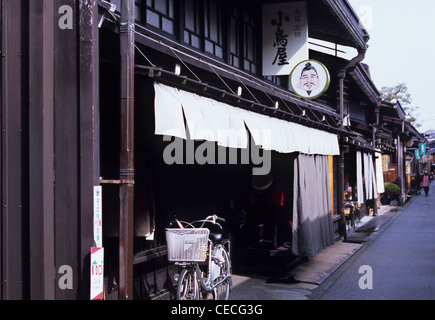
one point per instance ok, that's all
(49, 147)
(13, 180)
(399, 138)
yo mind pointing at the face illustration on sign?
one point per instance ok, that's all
(309, 79)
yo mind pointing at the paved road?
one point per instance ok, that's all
(400, 259)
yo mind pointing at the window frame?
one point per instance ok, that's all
(168, 18)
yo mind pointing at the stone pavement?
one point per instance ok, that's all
(397, 262)
(313, 272)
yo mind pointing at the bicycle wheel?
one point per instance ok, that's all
(223, 291)
(187, 288)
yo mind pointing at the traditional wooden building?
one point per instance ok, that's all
(361, 178)
(166, 106)
(398, 139)
(430, 136)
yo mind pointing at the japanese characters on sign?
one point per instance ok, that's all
(281, 41)
(97, 273)
(97, 252)
(98, 218)
(421, 151)
(285, 37)
(422, 147)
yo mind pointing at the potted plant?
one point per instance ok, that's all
(392, 191)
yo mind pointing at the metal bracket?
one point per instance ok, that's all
(114, 181)
(150, 71)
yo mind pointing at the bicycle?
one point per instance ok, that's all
(193, 247)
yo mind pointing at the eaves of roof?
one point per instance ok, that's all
(342, 26)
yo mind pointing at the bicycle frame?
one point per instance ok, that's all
(208, 284)
(218, 262)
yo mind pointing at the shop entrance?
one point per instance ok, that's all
(256, 219)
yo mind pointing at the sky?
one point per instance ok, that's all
(402, 49)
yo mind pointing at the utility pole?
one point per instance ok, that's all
(126, 189)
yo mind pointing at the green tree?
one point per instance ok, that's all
(400, 93)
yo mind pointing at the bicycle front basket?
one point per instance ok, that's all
(187, 245)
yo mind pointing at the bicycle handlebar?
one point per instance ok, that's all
(210, 219)
(215, 218)
(220, 219)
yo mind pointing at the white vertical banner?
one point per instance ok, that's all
(285, 37)
(379, 173)
(359, 178)
(97, 273)
(98, 217)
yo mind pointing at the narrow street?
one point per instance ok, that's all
(398, 263)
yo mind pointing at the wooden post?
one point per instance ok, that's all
(89, 133)
(126, 191)
(375, 126)
(41, 150)
(340, 183)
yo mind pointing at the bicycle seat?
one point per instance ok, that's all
(216, 237)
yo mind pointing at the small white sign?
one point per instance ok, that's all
(285, 37)
(98, 217)
(97, 273)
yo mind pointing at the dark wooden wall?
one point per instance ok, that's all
(13, 215)
(49, 146)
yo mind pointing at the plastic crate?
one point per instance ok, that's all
(187, 245)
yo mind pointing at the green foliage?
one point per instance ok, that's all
(400, 93)
(391, 188)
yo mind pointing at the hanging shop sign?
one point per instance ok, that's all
(423, 148)
(285, 37)
(417, 154)
(309, 79)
